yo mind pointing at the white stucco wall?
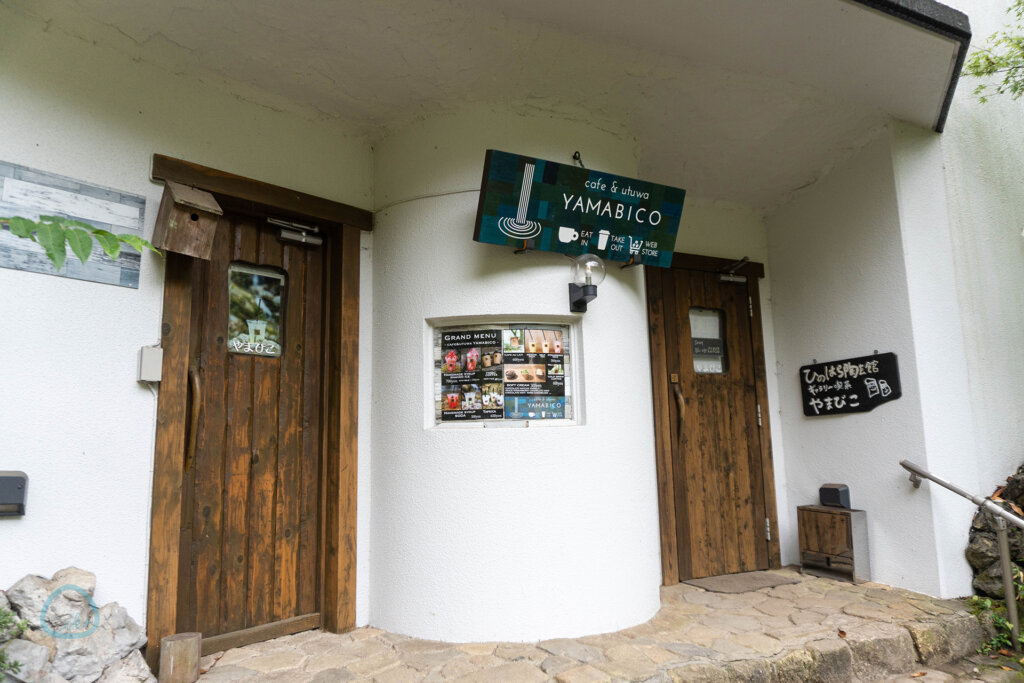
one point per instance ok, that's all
(73, 416)
(508, 533)
(839, 289)
(983, 157)
(941, 361)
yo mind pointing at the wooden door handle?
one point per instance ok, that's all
(680, 402)
(193, 424)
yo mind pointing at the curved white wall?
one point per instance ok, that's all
(512, 533)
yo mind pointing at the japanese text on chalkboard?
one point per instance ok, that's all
(849, 386)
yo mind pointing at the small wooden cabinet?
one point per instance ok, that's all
(834, 542)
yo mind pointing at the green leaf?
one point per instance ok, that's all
(81, 243)
(137, 243)
(72, 223)
(52, 237)
(109, 243)
(22, 227)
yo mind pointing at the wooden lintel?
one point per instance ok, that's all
(714, 264)
(228, 184)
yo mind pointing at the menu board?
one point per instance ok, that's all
(853, 385)
(507, 373)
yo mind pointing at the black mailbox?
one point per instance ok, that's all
(13, 487)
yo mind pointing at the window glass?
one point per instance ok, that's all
(254, 312)
(706, 334)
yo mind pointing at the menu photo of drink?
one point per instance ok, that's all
(513, 373)
(471, 386)
(534, 374)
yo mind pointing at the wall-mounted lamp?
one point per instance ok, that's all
(587, 274)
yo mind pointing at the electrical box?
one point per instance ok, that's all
(13, 488)
(835, 495)
(151, 363)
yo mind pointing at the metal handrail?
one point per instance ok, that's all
(1002, 517)
(980, 501)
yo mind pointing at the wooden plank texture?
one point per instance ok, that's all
(289, 459)
(237, 470)
(251, 540)
(212, 442)
(263, 492)
(257, 634)
(165, 522)
(717, 458)
(311, 515)
(342, 430)
(662, 427)
(761, 390)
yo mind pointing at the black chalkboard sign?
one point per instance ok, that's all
(854, 385)
(703, 346)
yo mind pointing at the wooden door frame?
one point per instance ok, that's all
(343, 224)
(660, 386)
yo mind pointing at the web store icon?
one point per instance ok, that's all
(635, 245)
(69, 613)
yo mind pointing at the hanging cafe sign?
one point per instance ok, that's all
(530, 203)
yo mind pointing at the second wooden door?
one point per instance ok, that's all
(708, 419)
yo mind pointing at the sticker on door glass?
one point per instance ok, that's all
(707, 339)
(254, 315)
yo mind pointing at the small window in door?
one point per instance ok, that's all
(706, 334)
(254, 315)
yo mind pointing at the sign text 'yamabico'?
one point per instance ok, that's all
(536, 204)
(853, 385)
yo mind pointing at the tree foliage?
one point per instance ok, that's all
(1003, 53)
(55, 234)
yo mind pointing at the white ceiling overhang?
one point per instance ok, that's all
(742, 100)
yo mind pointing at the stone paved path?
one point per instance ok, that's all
(814, 630)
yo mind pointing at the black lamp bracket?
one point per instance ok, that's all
(580, 296)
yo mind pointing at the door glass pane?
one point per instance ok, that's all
(254, 320)
(706, 326)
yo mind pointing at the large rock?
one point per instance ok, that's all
(70, 611)
(28, 596)
(83, 660)
(34, 660)
(983, 549)
(989, 581)
(70, 640)
(73, 576)
(131, 669)
(41, 638)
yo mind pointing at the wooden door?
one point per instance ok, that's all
(715, 481)
(250, 552)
